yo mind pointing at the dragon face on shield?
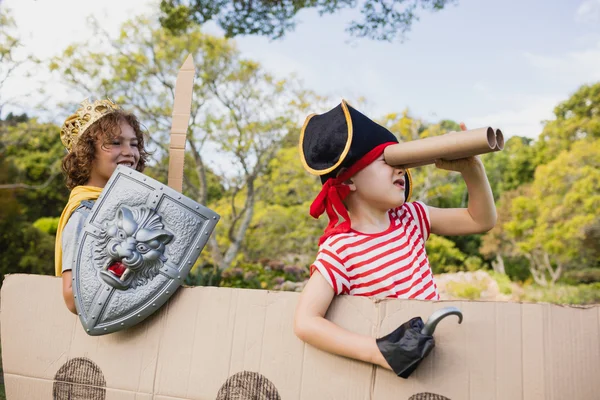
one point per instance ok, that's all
(130, 250)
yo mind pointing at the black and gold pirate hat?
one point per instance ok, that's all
(341, 138)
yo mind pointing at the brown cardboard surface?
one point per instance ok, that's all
(182, 104)
(450, 146)
(205, 337)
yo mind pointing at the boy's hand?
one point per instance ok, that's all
(460, 165)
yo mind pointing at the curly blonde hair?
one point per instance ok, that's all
(77, 165)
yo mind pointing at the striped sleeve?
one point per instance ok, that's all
(329, 264)
(420, 213)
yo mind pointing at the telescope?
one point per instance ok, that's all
(450, 146)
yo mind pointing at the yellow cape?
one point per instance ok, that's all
(78, 194)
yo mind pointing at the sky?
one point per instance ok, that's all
(500, 63)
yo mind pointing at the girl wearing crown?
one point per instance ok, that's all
(98, 137)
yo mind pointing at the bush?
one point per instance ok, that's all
(268, 274)
(444, 256)
(47, 224)
(586, 275)
(473, 263)
(564, 294)
(503, 281)
(207, 275)
(464, 290)
(517, 269)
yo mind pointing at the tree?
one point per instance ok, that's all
(549, 221)
(381, 19)
(282, 227)
(497, 245)
(512, 167)
(10, 60)
(577, 118)
(34, 152)
(23, 248)
(240, 113)
(444, 256)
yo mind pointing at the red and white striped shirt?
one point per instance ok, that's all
(392, 263)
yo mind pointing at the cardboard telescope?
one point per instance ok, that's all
(450, 146)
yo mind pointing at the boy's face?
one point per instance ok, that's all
(379, 185)
(121, 150)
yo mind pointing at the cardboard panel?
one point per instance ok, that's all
(326, 376)
(508, 351)
(22, 387)
(208, 343)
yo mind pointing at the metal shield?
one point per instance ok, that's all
(138, 244)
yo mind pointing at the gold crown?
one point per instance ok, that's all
(76, 124)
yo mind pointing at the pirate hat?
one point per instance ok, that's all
(341, 138)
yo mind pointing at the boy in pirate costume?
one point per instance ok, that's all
(98, 137)
(374, 244)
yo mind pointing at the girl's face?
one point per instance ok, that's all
(122, 150)
(380, 185)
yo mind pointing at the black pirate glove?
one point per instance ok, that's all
(411, 342)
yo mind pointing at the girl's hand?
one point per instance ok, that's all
(461, 165)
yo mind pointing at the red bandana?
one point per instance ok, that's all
(334, 191)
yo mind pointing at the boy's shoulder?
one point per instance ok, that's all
(78, 217)
(86, 205)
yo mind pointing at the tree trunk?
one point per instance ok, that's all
(498, 264)
(537, 274)
(240, 233)
(554, 273)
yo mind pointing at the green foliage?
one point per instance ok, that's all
(564, 294)
(512, 167)
(270, 236)
(48, 225)
(285, 182)
(473, 263)
(207, 275)
(444, 256)
(268, 274)
(286, 192)
(503, 281)
(383, 19)
(33, 152)
(585, 275)
(192, 184)
(577, 119)
(517, 269)
(465, 290)
(550, 218)
(25, 249)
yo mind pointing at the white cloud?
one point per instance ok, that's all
(575, 67)
(523, 119)
(588, 11)
(46, 28)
